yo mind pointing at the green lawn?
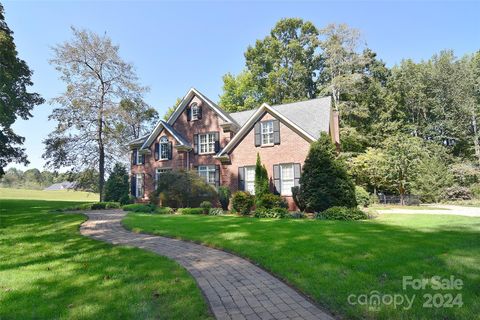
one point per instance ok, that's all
(331, 260)
(49, 271)
(58, 195)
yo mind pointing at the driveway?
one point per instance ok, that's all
(438, 209)
(234, 287)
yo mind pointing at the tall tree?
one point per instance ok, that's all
(97, 80)
(283, 67)
(15, 100)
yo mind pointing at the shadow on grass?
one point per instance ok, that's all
(330, 260)
(48, 270)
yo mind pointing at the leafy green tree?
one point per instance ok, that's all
(117, 187)
(136, 119)
(97, 79)
(324, 182)
(171, 110)
(15, 100)
(369, 169)
(282, 67)
(432, 179)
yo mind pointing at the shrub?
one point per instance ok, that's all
(475, 190)
(190, 211)
(457, 193)
(270, 200)
(324, 182)
(297, 215)
(180, 189)
(116, 187)
(206, 206)
(242, 202)
(298, 199)
(224, 195)
(138, 207)
(96, 206)
(164, 210)
(215, 211)
(342, 213)
(271, 213)
(261, 182)
(362, 196)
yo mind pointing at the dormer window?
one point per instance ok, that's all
(195, 112)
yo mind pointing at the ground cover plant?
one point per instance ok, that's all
(49, 271)
(330, 260)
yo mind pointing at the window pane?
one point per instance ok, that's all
(287, 181)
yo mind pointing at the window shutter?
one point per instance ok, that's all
(143, 159)
(217, 142)
(170, 150)
(296, 174)
(143, 181)
(217, 175)
(189, 113)
(276, 179)
(258, 136)
(133, 185)
(195, 143)
(241, 178)
(134, 156)
(199, 108)
(157, 151)
(276, 132)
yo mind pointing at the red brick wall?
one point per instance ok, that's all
(292, 149)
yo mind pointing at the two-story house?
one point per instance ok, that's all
(222, 147)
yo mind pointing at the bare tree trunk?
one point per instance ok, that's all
(475, 137)
(101, 155)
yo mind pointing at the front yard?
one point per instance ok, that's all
(49, 271)
(331, 260)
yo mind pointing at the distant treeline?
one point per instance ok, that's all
(35, 179)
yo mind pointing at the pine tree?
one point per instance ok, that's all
(324, 182)
(261, 179)
(116, 188)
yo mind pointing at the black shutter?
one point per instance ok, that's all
(170, 150)
(157, 151)
(134, 156)
(276, 179)
(189, 113)
(276, 132)
(258, 136)
(217, 176)
(241, 178)
(296, 174)
(143, 159)
(195, 143)
(133, 185)
(199, 112)
(217, 142)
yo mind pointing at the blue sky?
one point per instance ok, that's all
(177, 45)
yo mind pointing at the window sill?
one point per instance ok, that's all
(206, 153)
(268, 145)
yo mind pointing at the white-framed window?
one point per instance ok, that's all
(287, 180)
(250, 179)
(164, 148)
(267, 132)
(206, 143)
(140, 191)
(139, 157)
(195, 111)
(207, 173)
(158, 173)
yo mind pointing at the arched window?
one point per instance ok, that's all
(195, 110)
(164, 148)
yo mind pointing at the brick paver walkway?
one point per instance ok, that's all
(234, 287)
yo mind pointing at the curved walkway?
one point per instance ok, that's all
(234, 287)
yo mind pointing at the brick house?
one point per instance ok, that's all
(222, 147)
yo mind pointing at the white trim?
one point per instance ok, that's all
(253, 119)
(156, 132)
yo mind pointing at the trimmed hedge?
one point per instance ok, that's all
(206, 206)
(271, 213)
(342, 213)
(96, 206)
(242, 202)
(190, 211)
(147, 208)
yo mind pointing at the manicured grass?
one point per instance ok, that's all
(58, 195)
(49, 271)
(330, 260)
(392, 206)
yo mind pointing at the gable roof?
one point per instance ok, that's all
(186, 99)
(158, 129)
(307, 118)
